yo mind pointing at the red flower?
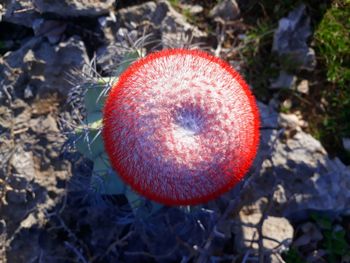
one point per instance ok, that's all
(181, 127)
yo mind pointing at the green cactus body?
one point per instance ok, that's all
(89, 142)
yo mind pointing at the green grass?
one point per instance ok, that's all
(175, 3)
(260, 64)
(191, 18)
(332, 43)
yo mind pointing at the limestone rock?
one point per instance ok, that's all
(138, 13)
(43, 66)
(74, 8)
(159, 14)
(52, 29)
(226, 10)
(289, 121)
(168, 28)
(290, 40)
(284, 80)
(171, 20)
(19, 12)
(192, 9)
(304, 176)
(44, 124)
(276, 231)
(16, 196)
(23, 163)
(3, 237)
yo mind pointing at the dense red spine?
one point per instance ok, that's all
(152, 150)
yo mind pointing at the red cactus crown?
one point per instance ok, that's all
(181, 127)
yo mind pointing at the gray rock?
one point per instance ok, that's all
(290, 40)
(28, 191)
(167, 26)
(23, 163)
(304, 176)
(44, 124)
(26, 12)
(284, 80)
(138, 13)
(159, 14)
(289, 121)
(192, 9)
(52, 29)
(20, 123)
(120, 31)
(269, 117)
(294, 172)
(346, 144)
(3, 237)
(19, 12)
(19, 181)
(28, 92)
(16, 197)
(5, 118)
(42, 65)
(171, 19)
(74, 8)
(226, 10)
(2, 226)
(110, 56)
(277, 228)
(176, 31)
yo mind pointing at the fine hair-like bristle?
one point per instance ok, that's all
(181, 127)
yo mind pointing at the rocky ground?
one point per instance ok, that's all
(292, 206)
